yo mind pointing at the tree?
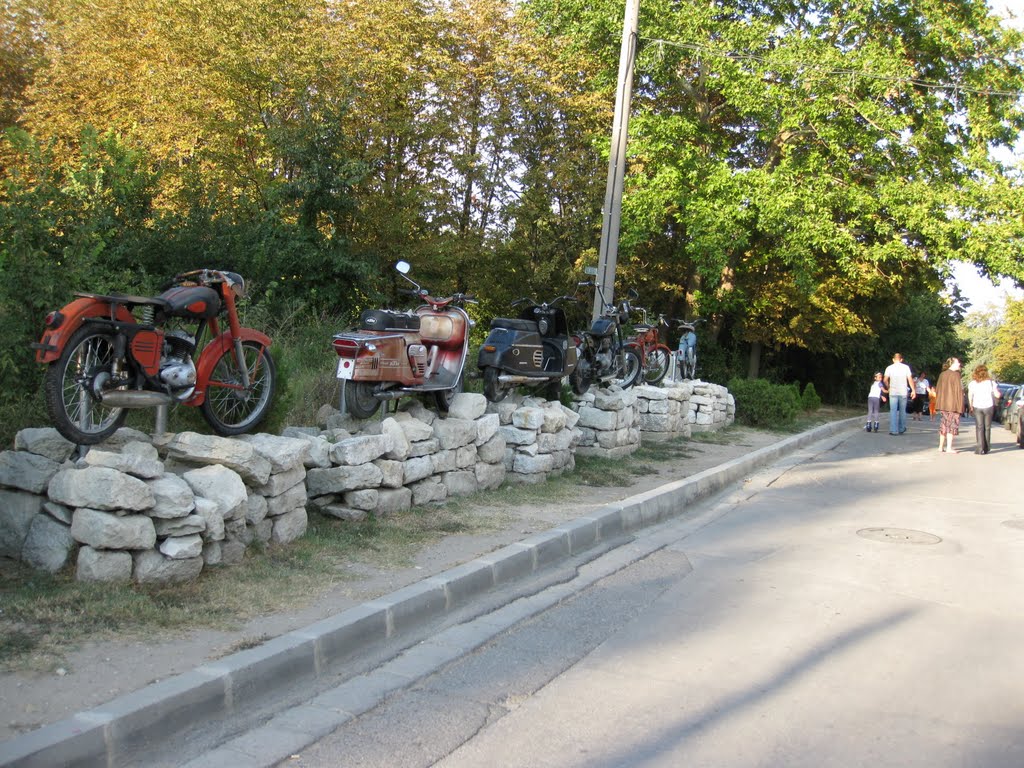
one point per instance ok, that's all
(1008, 354)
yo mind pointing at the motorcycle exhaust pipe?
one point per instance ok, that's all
(134, 399)
(506, 378)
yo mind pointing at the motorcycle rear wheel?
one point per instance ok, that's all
(230, 408)
(68, 385)
(359, 399)
(494, 390)
(656, 363)
(444, 397)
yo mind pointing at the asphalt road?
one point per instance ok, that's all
(857, 604)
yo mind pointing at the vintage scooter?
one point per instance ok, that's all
(535, 348)
(394, 354)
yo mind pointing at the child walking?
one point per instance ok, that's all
(876, 394)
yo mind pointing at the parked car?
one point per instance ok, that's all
(1016, 415)
(1005, 395)
(1005, 405)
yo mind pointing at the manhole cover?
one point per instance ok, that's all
(1014, 523)
(898, 536)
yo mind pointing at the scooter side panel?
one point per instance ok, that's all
(518, 352)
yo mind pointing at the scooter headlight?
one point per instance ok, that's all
(542, 325)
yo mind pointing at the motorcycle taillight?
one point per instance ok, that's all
(54, 320)
(345, 347)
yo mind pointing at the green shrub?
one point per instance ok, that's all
(759, 403)
(809, 400)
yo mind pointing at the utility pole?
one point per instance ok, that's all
(612, 213)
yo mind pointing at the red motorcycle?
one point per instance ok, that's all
(394, 354)
(108, 353)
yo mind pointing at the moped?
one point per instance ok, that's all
(394, 354)
(604, 355)
(535, 348)
(655, 356)
(108, 353)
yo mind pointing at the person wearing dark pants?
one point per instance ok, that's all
(982, 394)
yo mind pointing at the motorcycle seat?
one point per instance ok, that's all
(514, 324)
(125, 299)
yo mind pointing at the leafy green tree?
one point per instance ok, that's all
(1008, 354)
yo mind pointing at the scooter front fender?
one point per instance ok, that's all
(71, 317)
(212, 352)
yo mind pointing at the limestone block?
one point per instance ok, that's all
(222, 485)
(415, 409)
(57, 511)
(151, 567)
(173, 497)
(126, 436)
(318, 450)
(554, 420)
(493, 451)
(614, 399)
(418, 468)
(556, 441)
(255, 508)
(516, 436)
(45, 441)
(287, 501)
(102, 530)
(613, 439)
(598, 419)
(282, 481)
(647, 392)
(489, 476)
(465, 457)
(182, 547)
(232, 551)
(237, 455)
(528, 418)
(702, 401)
(487, 427)
(460, 483)
(181, 526)
(213, 516)
(531, 465)
(49, 544)
(100, 488)
(26, 471)
(212, 555)
(17, 511)
(342, 512)
(143, 467)
(704, 418)
(572, 418)
(392, 500)
(360, 450)
(659, 406)
(392, 473)
(414, 429)
(444, 461)
(366, 499)
(529, 450)
(424, 447)
(398, 439)
(283, 453)
(99, 565)
(428, 491)
(320, 482)
(468, 406)
(504, 409)
(290, 526)
(454, 433)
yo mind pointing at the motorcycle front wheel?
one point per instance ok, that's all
(444, 397)
(231, 408)
(656, 364)
(359, 400)
(68, 388)
(580, 378)
(628, 377)
(494, 390)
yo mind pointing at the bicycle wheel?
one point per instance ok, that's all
(69, 383)
(656, 363)
(230, 407)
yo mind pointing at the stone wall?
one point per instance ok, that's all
(130, 509)
(679, 408)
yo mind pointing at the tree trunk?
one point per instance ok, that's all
(754, 364)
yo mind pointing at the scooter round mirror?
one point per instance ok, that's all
(403, 267)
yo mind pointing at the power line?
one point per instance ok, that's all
(826, 71)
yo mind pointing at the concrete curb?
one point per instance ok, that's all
(121, 731)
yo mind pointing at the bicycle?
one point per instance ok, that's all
(686, 354)
(655, 357)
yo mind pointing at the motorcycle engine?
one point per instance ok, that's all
(177, 370)
(604, 354)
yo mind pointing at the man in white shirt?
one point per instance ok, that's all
(900, 382)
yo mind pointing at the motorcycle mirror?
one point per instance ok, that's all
(403, 267)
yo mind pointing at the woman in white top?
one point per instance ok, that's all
(982, 394)
(921, 386)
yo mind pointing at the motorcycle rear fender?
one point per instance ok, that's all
(77, 312)
(212, 353)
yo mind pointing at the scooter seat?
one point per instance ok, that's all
(514, 324)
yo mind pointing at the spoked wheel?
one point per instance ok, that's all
(632, 369)
(656, 364)
(580, 377)
(494, 390)
(230, 407)
(359, 400)
(444, 397)
(69, 386)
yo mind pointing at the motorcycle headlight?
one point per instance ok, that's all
(542, 325)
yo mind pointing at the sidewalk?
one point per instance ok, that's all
(126, 713)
